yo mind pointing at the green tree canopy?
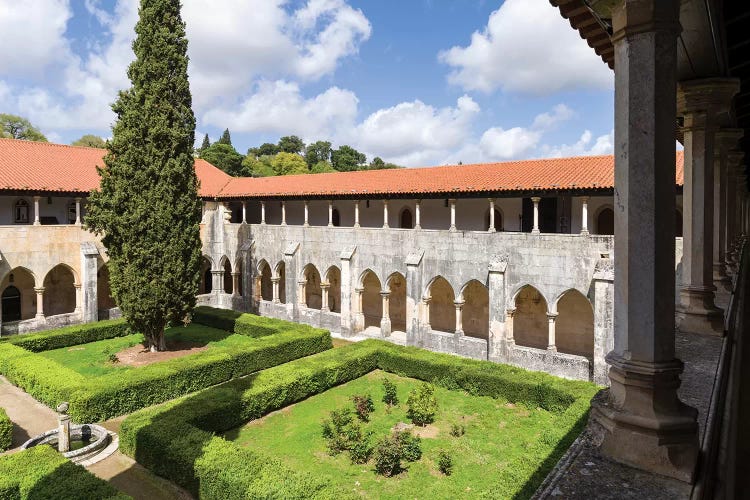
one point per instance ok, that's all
(377, 163)
(322, 167)
(225, 157)
(91, 141)
(346, 159)
(16, 127)
(289, 164)
(147, 208)
(291, 144)
(318, 151)
(225, 138)
(253, 166)
(204, 145)
(265, 149)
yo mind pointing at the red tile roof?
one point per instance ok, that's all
(45, 167)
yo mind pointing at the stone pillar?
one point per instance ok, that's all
(426, 311)
(603, 319)
(347, 317)
(414, 297)
(459, 317)
(734, 165)
(330, 213)
(79, 299)
(585, 216)
(63, 433)
(385, 214)
(236, 284)
(510, 313)
(418, 214)
(453, 214)
(39, 302)
(36, 211)
(726, 139)
(263, 212)
(89, 279)
(283, 213)
(356, 213)
(498, 327)
(699, 101)
(217, 282)
(551, 346)
(324, 288)
(301, 296)
(307, 213)
(385, 320)
(491, 228)
(275, 282)
(244, 211)
(535, 200)
(645, 424)
(359, 316)
(78, 212)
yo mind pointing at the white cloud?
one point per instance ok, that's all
(499, 144)
(603, 145)
(526, 47)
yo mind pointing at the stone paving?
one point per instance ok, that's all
(29, 416)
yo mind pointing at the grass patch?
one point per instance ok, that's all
(497, 435)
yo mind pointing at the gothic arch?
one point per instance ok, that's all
(206, 278)
(18, 302)
(476, 309)
(396, 285)
(530, 322)
(333, 278)
(406, 218)
(574, 326)
(372, 302)
(264, 285)
(60, 290)
(280, 273)
(442, 307)
(605, 220)
(313, 290)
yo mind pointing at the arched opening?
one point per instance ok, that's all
(498, 220)
(574, 326)
(397, 302)
(442, 306)
(605, 221)
(678, 224)
(333, 277)
(21, 212)
(530, 322)
(281, 274)
(18, 296)
(372, 303)
(238, 270)
(264, 286)
(227, 282)
(104, 300)
(313, 290)
(336, 217)
(406, 220)
(59, 291)
(206, 280)
(476, 310)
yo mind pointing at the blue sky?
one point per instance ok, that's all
(419, 82)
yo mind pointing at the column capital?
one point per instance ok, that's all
(510, 311)
(385, 293)
(39, 290)
(359, 290)
(275, 280)
(631, 18)
(706, 95)
(536, 199)
(552, 316)
(459, 303)
(728, 138)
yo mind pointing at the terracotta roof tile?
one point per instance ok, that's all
(47, 167)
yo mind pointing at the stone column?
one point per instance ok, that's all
(699, 101)
(496, 342)
(453, 214)
(78, 212)
(385, 214)
(89, 279)
(79, 300)
(491, 228)
(535, 200)
(356, 213)
(236, 284)
(244, 211)
(509, 314)
(301, 296)
(324, 288)
(283, 213)
(585, 216)
(459, 317)
(385, 320)
(263, 212)
(645, 424)
(63, 433)
(551, 346)
(307, 213)
(734, 166)
(275, 283)
(418, 215)
(426, 311)
(603, 321)
(217, 278)
(359, 317)
(726, 139)
(330, 213)
(39, 302)
(36, 211)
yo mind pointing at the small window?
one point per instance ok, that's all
(21, 212)
(72, 212)
(406, 219)
(336, 217)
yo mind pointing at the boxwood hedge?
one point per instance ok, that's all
(6, 431)
(42, 473)
(72, 335)
(177, 441)
(240, 323)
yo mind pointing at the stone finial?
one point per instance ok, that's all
(604, 270)
(499, 263)
(63, 407)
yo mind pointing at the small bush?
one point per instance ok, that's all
(390, 396)
(339, 430)
(113, 358)
(6, 431)
(361, 449)
(363, 405)
(422, 405)
(388, 455)
(411, 449)
(445, 463)
(458, 430)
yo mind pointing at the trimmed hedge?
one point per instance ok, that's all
(239, 323)
(6, 431)
(72, 335)
(42, 473)
(95, 399)
(176, 440)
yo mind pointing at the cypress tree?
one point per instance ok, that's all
(147, 208)
(226, 138)
(204, 146)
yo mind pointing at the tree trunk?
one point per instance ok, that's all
(157, 342)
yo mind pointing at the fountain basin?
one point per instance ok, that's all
(86, 441)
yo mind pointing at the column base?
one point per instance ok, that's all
(535, 231)
(722, 282)
(697, 312)
(385, 327)
(645, 425)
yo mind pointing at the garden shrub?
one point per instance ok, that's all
(390, 396)
(361, 449)
(6, 431)
(411, 446)
(422, 405)
(42, 473)
(388, 456)
(241, 323)
(72, 335)
(457, 430)
(343, 433)
(445, 463)
(363, 406)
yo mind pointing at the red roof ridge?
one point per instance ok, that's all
(55, 144)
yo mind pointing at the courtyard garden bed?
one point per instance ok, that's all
(517, 424)
(6, 431)
(99, 388)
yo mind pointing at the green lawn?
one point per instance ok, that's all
(92, 359)
(497, 435)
